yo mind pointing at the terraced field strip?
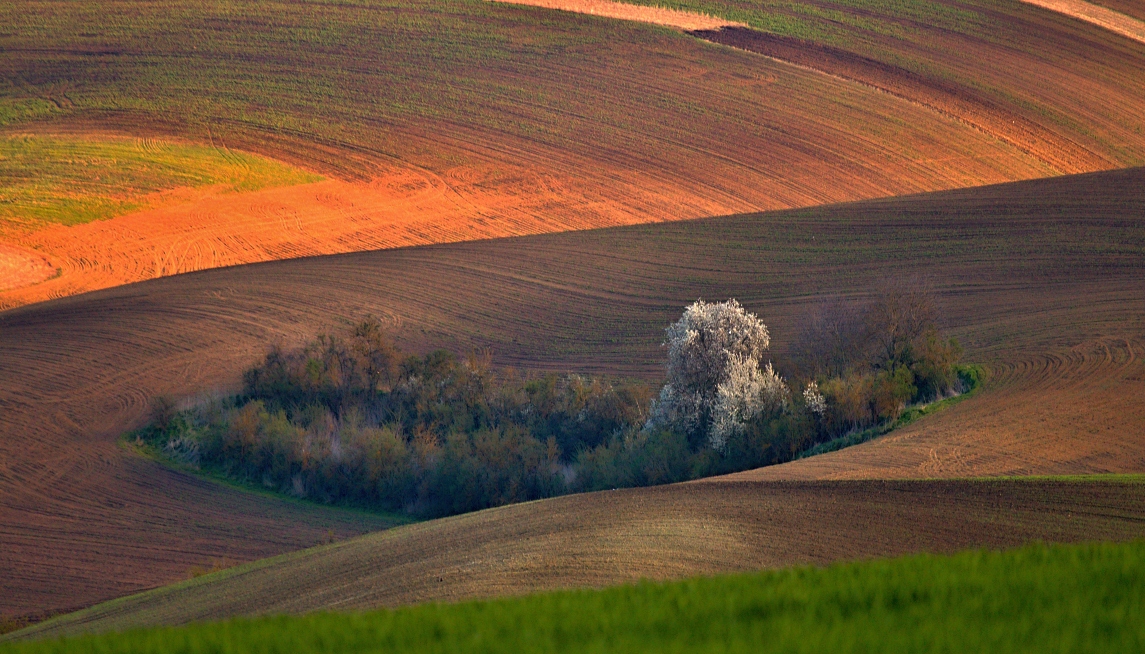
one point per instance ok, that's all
(614, 537)
(1111, 20)
(979, 62)
(1043, 281)
(445, 121)
(1132, 8)
(685, 20)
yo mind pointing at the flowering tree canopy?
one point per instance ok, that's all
(716, 382)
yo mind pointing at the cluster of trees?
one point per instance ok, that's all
(868, 363)
(352, 420)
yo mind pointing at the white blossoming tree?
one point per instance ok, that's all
(716, 383)
(813, 399)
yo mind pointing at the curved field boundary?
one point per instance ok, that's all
(399, 207)
(1132, 8)
(1027, 273)
(684, 20)
(1111, 20)
(606, 538)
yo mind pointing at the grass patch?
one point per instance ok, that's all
(1079, 598)
(971, 377)
(73, 180)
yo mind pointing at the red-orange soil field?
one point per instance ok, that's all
(441, 122)
(21, 268)
(1042, 281)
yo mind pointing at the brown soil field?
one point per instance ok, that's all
(489, 121)
(1023, 128)
(1042, 281)
(1119, 22)
(606, 538)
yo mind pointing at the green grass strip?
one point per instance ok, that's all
(1080, 598)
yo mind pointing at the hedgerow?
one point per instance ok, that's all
(350, 419)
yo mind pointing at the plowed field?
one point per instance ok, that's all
(1012, 70)
(492, 120)
(1042, 281)
(623, 536)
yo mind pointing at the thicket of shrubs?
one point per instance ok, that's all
(350, 419)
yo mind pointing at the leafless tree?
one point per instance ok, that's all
(902, 312)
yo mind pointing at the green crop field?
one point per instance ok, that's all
(1081, 598)
(71, 180)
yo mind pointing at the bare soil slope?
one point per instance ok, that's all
(1043, 281)
(493, 120)
(623, 536)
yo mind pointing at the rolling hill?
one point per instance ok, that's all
(607, 538)
(448, 121)
(1042, 281)
(1031, 599)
